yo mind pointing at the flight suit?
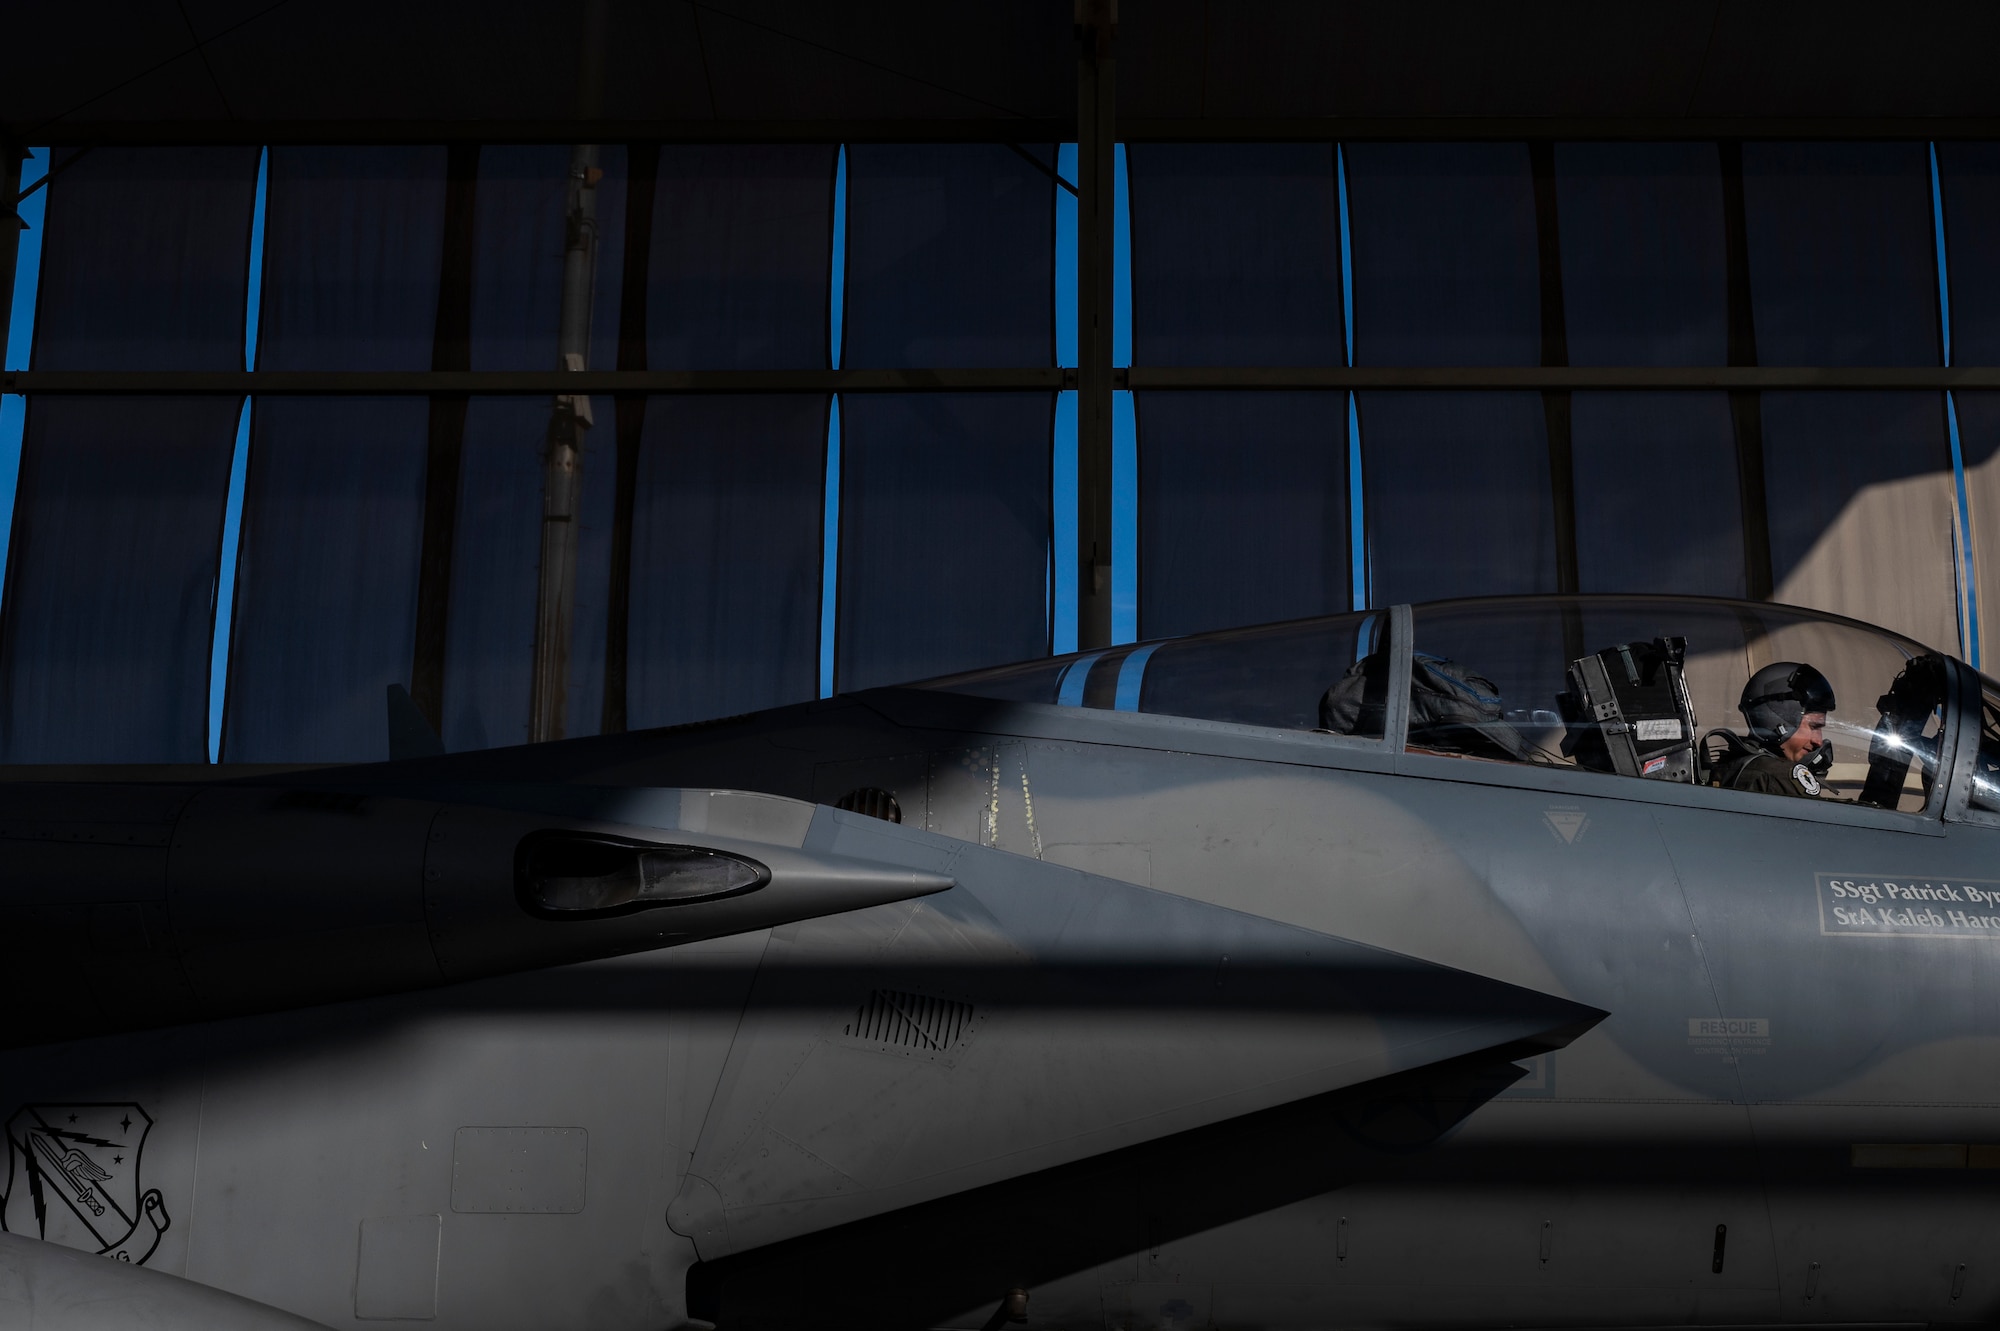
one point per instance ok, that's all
(1768, 774)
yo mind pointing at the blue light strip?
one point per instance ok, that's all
(225, 585)
(1124, 519)
(1944, 284)
(20, 339)
(1132, 678)
(239, 469)
(1062, 636)
(1968, 601)
(1346, 252)
(1062, 462)
(1124, 426)
(829, 556)
(1357, 526)
(1065, 287)
(1969, 604)
(27, 261)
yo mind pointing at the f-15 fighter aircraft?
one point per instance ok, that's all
(1406, 968)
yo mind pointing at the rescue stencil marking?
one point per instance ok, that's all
(1730, 1037)
(1930, 907)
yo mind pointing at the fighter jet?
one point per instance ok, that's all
(1402, 968)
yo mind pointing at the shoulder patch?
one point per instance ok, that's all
(1803, 775)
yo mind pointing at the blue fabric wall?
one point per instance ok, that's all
(1445, 273)
(724, 610)
(944, 545)
(1242, 495)
(104, 646)
(945, 520)
(326, 585)
(1645, 282)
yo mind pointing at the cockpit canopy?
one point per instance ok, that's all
(1640, 686)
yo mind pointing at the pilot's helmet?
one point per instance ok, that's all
(1777, 697)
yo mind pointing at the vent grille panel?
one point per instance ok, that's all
(874, 802)
(912, 1023)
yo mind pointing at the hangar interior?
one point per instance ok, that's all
(898, 343)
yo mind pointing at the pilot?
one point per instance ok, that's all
(1785, 705)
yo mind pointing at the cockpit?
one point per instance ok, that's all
(1639, 687)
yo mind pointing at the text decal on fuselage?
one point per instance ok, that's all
(1891, 907)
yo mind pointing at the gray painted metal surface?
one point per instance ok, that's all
(1170, 1022)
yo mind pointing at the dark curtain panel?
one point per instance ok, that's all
(517, 256)
(1657, 500)
(146, 260)
(352, 242)
(1242, 496)
(944, 533)
(111, 572)
(111, 579)
(1235, 254)
(333, 512)
(495, 573)
(1644, 282)
(739, 276)
(726, 511)
(1444, 254)
(1457, 488)
(950, 255)
(1843, 267)
(1242, 509)
(726, 556)
(1643, 271)
(519, 230)
(944, 524)
(326, 579)
(1843, 271)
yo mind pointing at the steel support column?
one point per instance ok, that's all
(1096, 197)
(562, 470)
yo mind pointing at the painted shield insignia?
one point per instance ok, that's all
(73, 1177)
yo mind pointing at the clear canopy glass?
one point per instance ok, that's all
(1505, 679)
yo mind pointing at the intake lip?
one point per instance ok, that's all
(570, 874)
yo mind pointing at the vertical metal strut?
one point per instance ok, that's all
(1096, 166)
(562, 471)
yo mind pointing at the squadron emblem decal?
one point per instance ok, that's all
(73, 1177)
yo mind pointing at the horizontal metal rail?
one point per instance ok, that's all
(1521, 378)
(1572, 377)
(1010, 129)
(534, 383)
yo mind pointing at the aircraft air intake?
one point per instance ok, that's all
(564, 874)
(217, 901)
